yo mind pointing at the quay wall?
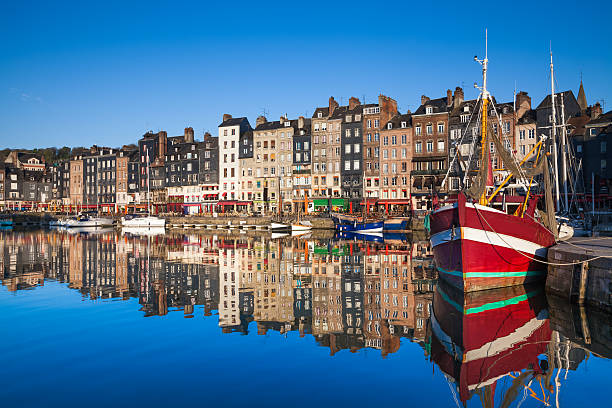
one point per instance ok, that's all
(587, 282)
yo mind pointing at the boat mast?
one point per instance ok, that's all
(485, 102)
(553, 133)
(564, 155)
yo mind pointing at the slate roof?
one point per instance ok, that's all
(396, 121)
(439, 106)
(233, 121)
(528, 117)
(602, 119)
(546, 102)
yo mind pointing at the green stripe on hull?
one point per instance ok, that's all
(490, 274)
(487, 306)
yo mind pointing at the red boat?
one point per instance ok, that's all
(478, 247)
(482, 337)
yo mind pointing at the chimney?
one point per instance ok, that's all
(188, 135)
(332, 105)
(226, 116)
(353, 102)
(522, 103)
(458, 97)
(207, 135)
(260, 120)
(449, 97)
(596, 111)
(424, 99)
(282, 120)
(301, 122)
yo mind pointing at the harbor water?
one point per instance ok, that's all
(217, 319)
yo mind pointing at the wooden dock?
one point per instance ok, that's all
(581, 271)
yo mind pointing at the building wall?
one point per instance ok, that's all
(76, 182)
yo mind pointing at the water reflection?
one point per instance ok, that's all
(494, 348)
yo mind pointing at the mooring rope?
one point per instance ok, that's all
(535, 259)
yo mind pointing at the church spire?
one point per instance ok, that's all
(582, 101)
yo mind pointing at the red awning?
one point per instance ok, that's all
(244, 202)
(405, 201)
(227, 202)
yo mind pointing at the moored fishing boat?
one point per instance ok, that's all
(478, 247)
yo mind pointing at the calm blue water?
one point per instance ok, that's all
(110, 320)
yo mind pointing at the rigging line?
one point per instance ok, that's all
(460, 143)
(472, 149)
(533, 258)
(505, 139)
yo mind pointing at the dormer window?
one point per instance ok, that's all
(429, 110)
(403, 124)
(319, 115)
(389, 125)
(466, 108)
(348, 118)
(357, 118)
(287, 124)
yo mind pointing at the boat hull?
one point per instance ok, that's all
(144, 222)
(477, 248)
(397, 224)
(90, 223)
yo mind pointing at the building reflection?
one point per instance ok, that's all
(348, 295)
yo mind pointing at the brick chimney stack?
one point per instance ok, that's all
(226, 116)
(449, 97)
(188, 135)
(424, 99)
(596, 110)
(458, 97)
(207, 135)
(332, 105)
(353, 102)
(260, 120)
(301, 122)
(522, 103)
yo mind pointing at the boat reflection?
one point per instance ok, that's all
(481, 337)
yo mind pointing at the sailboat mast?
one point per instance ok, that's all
(564, 155)
(553, 131)
(485, 110)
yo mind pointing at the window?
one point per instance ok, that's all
(376, 137)
(347, 165)
(369, 124)
(323, 126)
(404, 139)
(522, 134)
(440, 127)
(579, 148)
(429, 129)
(347, 148)
(316, 126)
(440, 145)
(465, 118)
(603, 165)
(389, 125)
(429, 110)
(393, 140)
(376, 123)
(348, 133)
(385, 140)
(403, 125)
(430, 146)
(418, 147)
(602, 147)
(356, 148)
(417, 130)
(532, 133)
(507, 127)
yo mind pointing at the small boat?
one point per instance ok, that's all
(86, 221)
(356, 236)
(397, 224)
(278, 227)
(147, 221)
(301, 226)
(6, 222)
(347, 223)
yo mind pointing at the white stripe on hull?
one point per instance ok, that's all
(488, 237)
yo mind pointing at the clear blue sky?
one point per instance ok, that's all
(105, 72)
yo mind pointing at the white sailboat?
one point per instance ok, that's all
(148, 221)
